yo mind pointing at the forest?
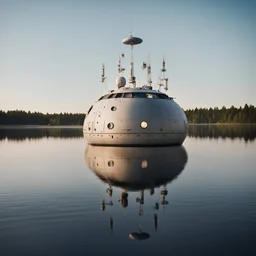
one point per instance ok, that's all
(18, 117)
(246, 114)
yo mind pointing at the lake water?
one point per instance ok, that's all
(59, 196)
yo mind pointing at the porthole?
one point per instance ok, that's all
(110, 163)
(144, 124)
(113, 108)
(144, 164)
(110, 126)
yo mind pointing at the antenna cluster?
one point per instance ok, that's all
(147, 66)
(163, 81)
(103, 77)
(131, 40)
(120, 68)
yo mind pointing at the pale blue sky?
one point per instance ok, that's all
(51, 51)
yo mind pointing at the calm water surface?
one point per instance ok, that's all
(59, 196)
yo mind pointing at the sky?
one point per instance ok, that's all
(51, 51)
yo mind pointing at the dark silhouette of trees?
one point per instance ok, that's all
(21, 134)
(247, 114)
(246, 132)
(18, 117)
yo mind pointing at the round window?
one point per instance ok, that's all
(110, 163)
(144, 164)
(110, 126)
(144, 124)
(113, 108)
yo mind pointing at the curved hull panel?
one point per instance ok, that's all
(135, 139)
(140, 122)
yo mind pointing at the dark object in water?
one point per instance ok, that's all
(139, 236)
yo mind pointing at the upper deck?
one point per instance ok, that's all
(141, 93)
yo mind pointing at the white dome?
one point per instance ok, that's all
(120, 82)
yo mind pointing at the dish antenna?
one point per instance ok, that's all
(132, 40)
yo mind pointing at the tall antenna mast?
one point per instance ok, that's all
(131, 40)
(163, 80)
(148, 67)
(119, 66)
(103, 77)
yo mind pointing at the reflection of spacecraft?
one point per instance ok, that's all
(123, 198)
(139, 235)
(136, 169)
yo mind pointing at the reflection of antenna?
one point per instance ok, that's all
(140, 235)
(155, 218)
(140, 200)
(104, 204)
(123, 198)
(164, 193)
(111, 224)
(109, 190)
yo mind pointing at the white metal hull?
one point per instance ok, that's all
(121, 139)
(166, 122)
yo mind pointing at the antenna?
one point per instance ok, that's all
(147, 66)
(103, 77)
(163, 81)
(132, 41)
(132, 77)
(120, 69)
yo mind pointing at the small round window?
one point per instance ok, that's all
(144, 124)
(110, 126)
(144, 164)
(114, 108)
(110, 163)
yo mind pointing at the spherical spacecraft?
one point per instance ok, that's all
(135, 116)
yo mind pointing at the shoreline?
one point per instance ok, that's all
(222, 124)
(25, 126)
(30, 126)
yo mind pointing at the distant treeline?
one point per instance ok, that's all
(246, 132)
(247, 114)
(20, 134)
(18, 117)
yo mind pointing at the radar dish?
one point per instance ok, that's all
(132, 40)
(120, 82)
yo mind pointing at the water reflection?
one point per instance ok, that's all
(17, 133)
(246, 132)
(20, 134)
(136, 169)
